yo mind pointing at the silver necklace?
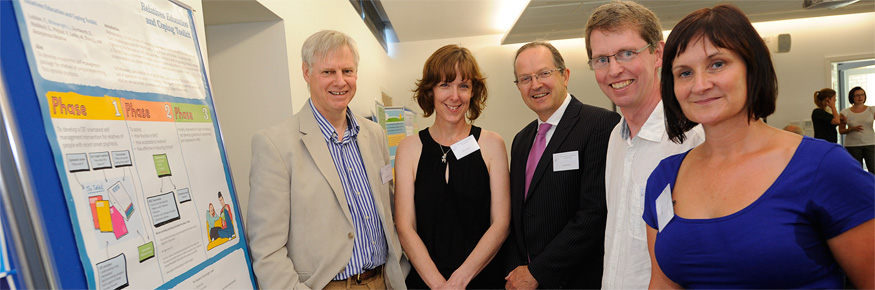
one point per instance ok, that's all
(444, 157)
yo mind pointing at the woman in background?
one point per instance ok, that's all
(824, 121)
(753, 206)
(452, 205)
(860, 141)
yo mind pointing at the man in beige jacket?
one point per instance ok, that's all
(319, 209)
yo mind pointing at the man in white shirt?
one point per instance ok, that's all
(624, 42)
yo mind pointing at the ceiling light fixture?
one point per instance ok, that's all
(826, 4)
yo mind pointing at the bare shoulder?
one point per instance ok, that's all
(491, 140)
(410, 144)
(785, 139)
(492, 147)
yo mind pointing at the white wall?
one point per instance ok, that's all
(814, 41)
(251, 89)
(303, 18)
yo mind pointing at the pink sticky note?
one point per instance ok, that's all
(118, 223)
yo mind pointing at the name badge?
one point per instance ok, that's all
(565, 161)
(464, 147)
(386, 173)
(664, 208)
(641, 191)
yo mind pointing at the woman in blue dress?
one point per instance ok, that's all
(753, 206)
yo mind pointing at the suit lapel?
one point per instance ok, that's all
(372, 169)
(519, 158)
(315, 143)
(528, 140)
(568, 121)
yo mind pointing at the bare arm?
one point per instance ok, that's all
(406, 159)
(844, 128)
(854, 250)
(495, 156)
(658, 280)
(836, 116)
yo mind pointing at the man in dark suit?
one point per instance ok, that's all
(557, 179)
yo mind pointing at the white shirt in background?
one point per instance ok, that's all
(865, 118)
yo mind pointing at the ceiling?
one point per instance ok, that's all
(416, 20)
(220, 12)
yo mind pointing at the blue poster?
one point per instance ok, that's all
(129, 116)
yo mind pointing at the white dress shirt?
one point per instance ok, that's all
(555, 118)
(630, 160)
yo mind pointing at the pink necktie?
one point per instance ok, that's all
(535, 153)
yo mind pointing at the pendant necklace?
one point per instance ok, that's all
(444, 157)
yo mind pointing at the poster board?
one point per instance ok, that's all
(124, 131)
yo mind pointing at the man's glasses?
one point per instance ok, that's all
(622, 56)
(527, 79)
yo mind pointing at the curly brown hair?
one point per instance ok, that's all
(441, 67)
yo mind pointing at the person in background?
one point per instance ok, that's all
(825, 122)
(624, 43)
(794, 129)
(753, 207)
(557, 179)
(860, 141)
(320, 215)
(452, 205)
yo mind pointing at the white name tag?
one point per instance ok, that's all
(565, 161)
(386, 173)
(641, 192)
(464, 147)
(664, 208)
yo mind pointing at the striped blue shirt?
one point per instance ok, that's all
(369, 245)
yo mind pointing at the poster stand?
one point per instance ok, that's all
(108, 216)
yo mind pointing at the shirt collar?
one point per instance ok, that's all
(557, 116)
(328, 130)
(652, 130)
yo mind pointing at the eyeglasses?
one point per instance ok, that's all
(622, 56)
(527, 79)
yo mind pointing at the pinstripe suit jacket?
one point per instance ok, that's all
(560, 227)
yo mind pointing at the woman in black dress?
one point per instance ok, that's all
(452, 192)
(825, 122)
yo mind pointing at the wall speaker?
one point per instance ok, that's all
(783, 44)
(779, 43)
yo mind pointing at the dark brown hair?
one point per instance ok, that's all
(726, 27)
(851, 94)
(441, 67)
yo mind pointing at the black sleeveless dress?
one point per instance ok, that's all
(451, 217)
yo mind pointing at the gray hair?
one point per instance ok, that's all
(325, 41)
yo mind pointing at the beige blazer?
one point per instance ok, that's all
(298, 223)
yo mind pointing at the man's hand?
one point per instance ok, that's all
(521, 278)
